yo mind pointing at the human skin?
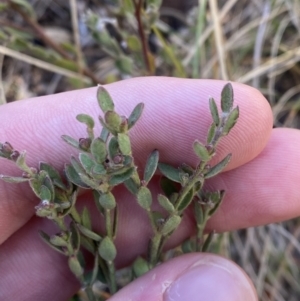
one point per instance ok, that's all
(261, 183)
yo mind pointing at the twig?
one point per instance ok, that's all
(218, 38)
(74, 17)
(138, 9)
(41, 64)
(39, 30)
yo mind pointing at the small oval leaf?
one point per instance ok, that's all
(124, 144)
(104, 99)
(107, 201)
(151, 165)
(231, 121)
(73, 176)
(201, 151)
(9, 179)
(227, 98)
(120, 178)
(214, 111)
(170, 172)
(98, 150)
(218, 168)
(144, 197)
(86, 119)
(165, 203)
(107, 249)
(170, 225)
(71, 141)
(140, 267)
(135, 115)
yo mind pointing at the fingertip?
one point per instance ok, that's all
(189, 276)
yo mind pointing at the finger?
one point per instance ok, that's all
(176, 113)
(265, 190)
(29, 260)
(191, 277)
(30, 270)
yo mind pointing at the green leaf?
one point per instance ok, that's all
(35, 185)
(170, 172)
(186, 201)
(170, 225)
(198, 211)
(140, 267)
(124, 144)
(231, 121)
(46, 239)
(73, 176)
(87, 162)
(211, 133)
(227, 98)
(58, 241)
(218, 168)
(113, 120)
(87, 243)
(94, 273)
(166, 203)
(88, 233)
(9, 179)
(151, 165)
(86, 218)
(98, 150)
(217, 204)
(131, 185)
(75, 266)
(104, 134)
(86, 119)
(207, 242)
(75, 237)
(107, 249)
(135, 115)
(113, 147)
(124, 64)
(107, 201)
(53, 174)
(48, 183)
(214, 111)
(144, 197)
(99, 169)
(71, 141)
(21, 163)
(105, 101)
(45, 193)
(91, 183)
(201, 151)
(121, 178)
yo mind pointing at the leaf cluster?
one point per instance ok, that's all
(105, 161)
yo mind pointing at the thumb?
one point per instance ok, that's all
(192, 277)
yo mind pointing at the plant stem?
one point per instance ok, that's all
(108, 224)
(154, 249)
(138, 13)
(112, 277)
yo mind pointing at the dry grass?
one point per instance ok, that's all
(253, 42)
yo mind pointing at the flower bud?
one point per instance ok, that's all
(7, 148)
(85, 143)
(14, 155)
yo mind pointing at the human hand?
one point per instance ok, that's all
(262, 186)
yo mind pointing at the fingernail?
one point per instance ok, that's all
(211, 279)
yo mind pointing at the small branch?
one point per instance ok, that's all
(138, 10)
(39, 30)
